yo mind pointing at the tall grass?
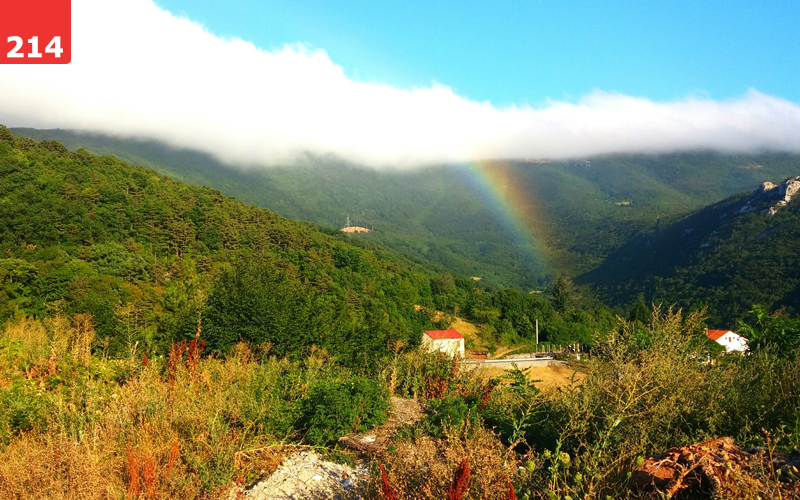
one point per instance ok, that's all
(182, 427)
(78, 425)
(648, 391)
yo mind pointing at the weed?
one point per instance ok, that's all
(460, 482)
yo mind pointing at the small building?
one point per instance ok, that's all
(449, 341)
(729, 340)
(355, 229)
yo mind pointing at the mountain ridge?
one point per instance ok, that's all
(741, 251)
(442, 215)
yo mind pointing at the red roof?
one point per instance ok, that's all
(716, 334)
(443, 334)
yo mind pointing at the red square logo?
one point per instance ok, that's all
(35, 32)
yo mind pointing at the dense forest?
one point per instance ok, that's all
(154, 261)
(147, 256)
(161, 340)
(729, 255)
(585, 209)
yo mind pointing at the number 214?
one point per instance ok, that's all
(54, 47)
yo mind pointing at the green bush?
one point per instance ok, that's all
(21, 411)
(452, 411)
(335, 408)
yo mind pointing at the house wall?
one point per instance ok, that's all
(450, 346)
(733, 342)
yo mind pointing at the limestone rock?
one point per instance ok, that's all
(783, 193)
(305, 475)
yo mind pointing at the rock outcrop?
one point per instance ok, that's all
(783, 193)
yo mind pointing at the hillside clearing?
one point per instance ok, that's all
(554, 376)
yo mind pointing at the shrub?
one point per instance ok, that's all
(21, 411)
(430, 468)
(452, 411)
(335, 408)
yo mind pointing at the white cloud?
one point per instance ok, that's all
(139, 71)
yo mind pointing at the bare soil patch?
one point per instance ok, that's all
(470, 331)
(376, 441)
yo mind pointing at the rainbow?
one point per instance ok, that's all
(496, 183)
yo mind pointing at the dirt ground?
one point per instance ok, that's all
(499, 353)
(544, 377)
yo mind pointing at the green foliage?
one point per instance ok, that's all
(728, 255)
(636, 399)
(153, 260)
(443, 284)
(776, 330)
(436, 215)
(452, 411)
(641, 398)
(334, 408)
(22, 409)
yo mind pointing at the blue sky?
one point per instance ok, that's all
(404, 85)
(526, 52)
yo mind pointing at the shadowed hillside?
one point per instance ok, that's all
(741, 251)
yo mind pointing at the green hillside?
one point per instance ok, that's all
(162, 340)
(586, 208)
(730, 255)
(153, 259)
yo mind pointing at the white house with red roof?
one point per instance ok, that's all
(449, 341)
(729, 340)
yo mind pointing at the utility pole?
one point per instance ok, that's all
(537, 332)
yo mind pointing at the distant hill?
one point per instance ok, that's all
(584, 209)
(741, 251)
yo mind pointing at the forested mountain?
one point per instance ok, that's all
(584, 209)
(154, 260)
(741, 251)
(151, 261)
(295, 338)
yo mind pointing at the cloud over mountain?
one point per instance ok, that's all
(139, 71)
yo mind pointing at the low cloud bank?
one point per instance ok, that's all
(138, 71)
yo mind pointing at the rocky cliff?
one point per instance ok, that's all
(782, 193)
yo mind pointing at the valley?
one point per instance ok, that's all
(165, 340)
(281, 250)
(562, 217)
